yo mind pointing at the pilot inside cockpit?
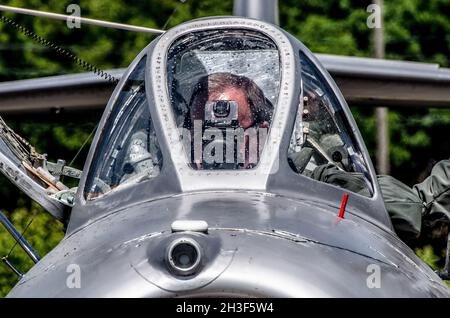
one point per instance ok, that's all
(223, 90)
(233, 116)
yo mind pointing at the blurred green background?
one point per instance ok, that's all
(414, 30)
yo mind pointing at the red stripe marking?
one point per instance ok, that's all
(343, 205)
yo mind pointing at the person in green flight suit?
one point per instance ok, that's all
(423, 208)
(323, 155)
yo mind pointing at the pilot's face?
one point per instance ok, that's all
(230, 93)
(245, 118)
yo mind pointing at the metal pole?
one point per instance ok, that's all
(64, 17)
(264, 10)
(381, 113)
(19, 238)
(12, 267)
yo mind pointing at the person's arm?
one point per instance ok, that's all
(405, 208)
(434, 191)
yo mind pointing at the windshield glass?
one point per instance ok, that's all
(322, 144)
(128, 150)
(223, 87)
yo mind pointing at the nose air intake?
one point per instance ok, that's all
(184, 256)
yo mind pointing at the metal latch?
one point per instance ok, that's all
(189, 226)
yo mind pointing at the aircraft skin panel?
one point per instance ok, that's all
(363, 67)
(256, 245)
(363, 81)
(56, 82)
(335, 64)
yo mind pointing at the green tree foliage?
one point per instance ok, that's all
(43, 233)
(415, 30)
(428, 255)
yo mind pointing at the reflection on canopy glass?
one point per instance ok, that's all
(128, 151)
(223, 96)
(322, 145)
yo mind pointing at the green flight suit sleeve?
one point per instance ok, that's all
(405, 208)
(434, 191)
(352, 181)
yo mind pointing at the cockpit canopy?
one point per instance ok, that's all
(223, 96)
(229, 93)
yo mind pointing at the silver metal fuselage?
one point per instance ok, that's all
(258, 244)
(271, 232)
